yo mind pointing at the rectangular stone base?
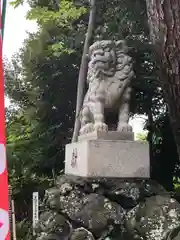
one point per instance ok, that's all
(110, 135)
(108, 158)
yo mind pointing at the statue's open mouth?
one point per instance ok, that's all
(99, 58)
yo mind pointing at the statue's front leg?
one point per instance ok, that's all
(123, 123)
(98, 112)
(86, 121)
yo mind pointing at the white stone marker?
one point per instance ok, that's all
(35, 199)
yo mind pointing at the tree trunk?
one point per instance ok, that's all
(84, 69)
(164, 23)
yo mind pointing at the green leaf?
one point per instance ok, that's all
(17, 3)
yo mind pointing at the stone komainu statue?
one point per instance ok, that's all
(110, 71)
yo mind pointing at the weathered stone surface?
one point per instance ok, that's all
(154, 219)
(81, 234)
(128, 193)
(53, 223)
(50, 236)
(68, 203)
(93, 158)
(98, 212)
(108, 209)
(51, 197)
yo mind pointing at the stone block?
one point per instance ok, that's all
(108, 158)
(110, 135)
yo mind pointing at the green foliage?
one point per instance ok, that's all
(141, 137)
(24, 230)
(41, 83)
(177, 184)
(17, 3)
(58, 49)
(165, 161)
(67, 13)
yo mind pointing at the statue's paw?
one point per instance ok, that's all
(101, 127)
(86, 129)
(124, 127)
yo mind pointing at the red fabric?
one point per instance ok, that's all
(4, 205)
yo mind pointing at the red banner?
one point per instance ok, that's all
(4, 205)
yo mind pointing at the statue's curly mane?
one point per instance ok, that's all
(108, 61)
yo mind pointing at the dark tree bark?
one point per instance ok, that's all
(84, 69)
(164, 23)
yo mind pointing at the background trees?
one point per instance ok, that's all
(41, 82)
(164, 21)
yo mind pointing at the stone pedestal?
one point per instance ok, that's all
(107, 158)
(110, 135)
(108, 208)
